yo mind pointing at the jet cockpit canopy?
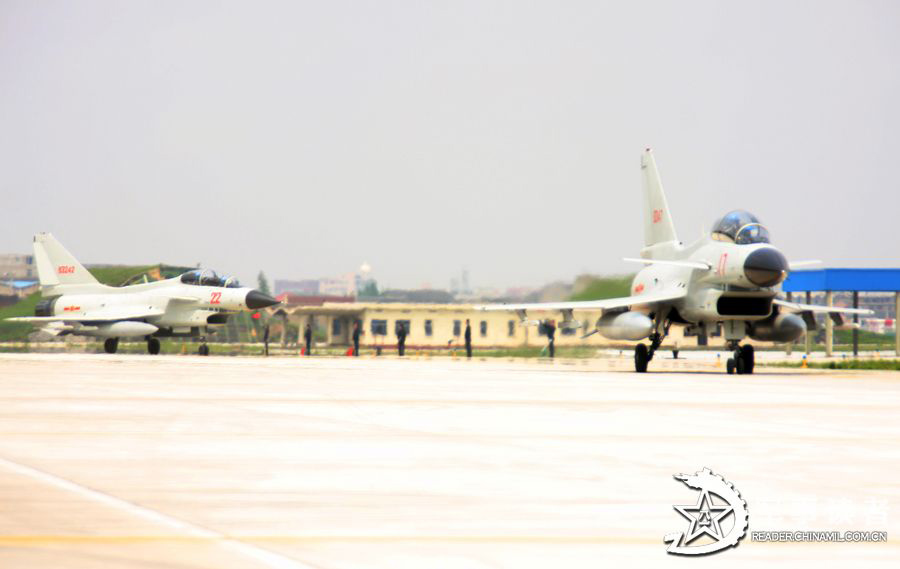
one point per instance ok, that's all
(207, 277)
(740, 227)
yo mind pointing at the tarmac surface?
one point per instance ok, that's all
(183, 461)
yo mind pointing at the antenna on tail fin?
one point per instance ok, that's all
(658, 226)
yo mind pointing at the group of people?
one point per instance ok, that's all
(548, 328)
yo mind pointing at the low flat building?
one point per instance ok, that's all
(441, 326)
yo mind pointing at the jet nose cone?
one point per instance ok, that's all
(765, 267)
(256, 299)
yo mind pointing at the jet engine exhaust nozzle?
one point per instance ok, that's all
(256, 299)
(765, 267)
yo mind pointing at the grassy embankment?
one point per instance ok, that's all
(890, 364)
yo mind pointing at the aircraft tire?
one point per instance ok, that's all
(153, 346)
(641, 358)
(110, 345)
(203, 350)
(747, 355)
(740, 366)
(675, 354)
(729, 366)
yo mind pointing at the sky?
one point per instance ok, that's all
(304, 138)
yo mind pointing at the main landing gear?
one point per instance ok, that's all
(743, 360)
(152, 346)
(643, 354)
(110, 345)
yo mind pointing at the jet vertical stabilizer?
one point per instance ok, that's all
(56, 266)
(658, 226)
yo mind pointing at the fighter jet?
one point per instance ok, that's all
(731, 277)
(193, 304)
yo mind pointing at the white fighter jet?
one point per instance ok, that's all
(732, 276)
(74, 302)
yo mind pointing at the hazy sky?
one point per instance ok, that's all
(303, 138)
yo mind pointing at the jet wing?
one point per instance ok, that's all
(104, 316)
(796, 306)
(606, 304)
(700, 265)
(807, 311)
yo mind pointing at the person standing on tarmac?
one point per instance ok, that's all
(468, 337)
(307, 336)
(401, 338)
(356, 338)
(550, 329)
(266, 339)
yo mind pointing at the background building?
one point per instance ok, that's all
(17, 267)
(435, 326)
(302, 287)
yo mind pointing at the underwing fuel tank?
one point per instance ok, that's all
(625, 325)
(123, 329)
(778, 328)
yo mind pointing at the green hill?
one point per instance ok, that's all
(598, 288)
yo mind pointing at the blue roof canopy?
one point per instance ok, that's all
(863, 280)
(19, 283)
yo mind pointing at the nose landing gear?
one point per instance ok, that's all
(743, 360)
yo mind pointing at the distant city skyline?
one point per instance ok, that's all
(302, 138)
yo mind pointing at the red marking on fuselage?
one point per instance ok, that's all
(65, 269)
(639, 288)
(657, 215)
(71, 309)
(216, 298)
(723, 260)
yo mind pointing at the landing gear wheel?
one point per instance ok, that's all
(740, 366)
(729, 366)
(153, 346)
(110, 345)
(747, 356)
(641, 357)
(204, 350)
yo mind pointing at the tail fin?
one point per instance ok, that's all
(658, 226)
(56, 266)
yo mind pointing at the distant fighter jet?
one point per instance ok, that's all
(732, 277)
(189, 305)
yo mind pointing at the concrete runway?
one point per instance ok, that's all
(182, 461)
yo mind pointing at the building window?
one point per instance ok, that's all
(428, 328)
(483, 328)
(406, 326)
(336, 327)
(457, 327)
(511, 328)
(379, 327)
